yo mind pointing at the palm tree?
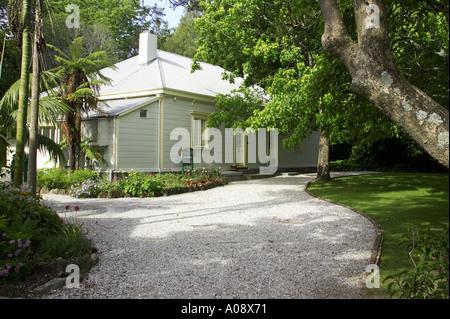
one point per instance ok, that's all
(80, 78)
(38, 41)
(50, 108)
(22, 26)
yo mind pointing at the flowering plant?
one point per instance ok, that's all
(13, 255)
(86, 189)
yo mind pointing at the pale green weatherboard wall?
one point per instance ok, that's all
(177, 113)
(137, 144)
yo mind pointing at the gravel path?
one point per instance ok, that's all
(260, 239)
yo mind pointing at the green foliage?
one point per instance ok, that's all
(86, 189)
(10, 71)
(51, 178)
(31, 235)
(62, 178)
(66, 244)
(419, 35)
(429, 279)
(183, 40)
(277, 46)
(397, 202)
(123, 21)
(140, 185)
(346, 165)
(13, 257)
(79, 176)
(392, 154)
(26, 218)
(24, 224)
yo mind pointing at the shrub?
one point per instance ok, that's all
(141, 185)
(32, 233)
(429, 279)
(13, 257)
(24, 224)
(86, 189)
(25, 216)
(68, 243)
(79, 176)
(344, 165)
(52, 178)
(62, 178)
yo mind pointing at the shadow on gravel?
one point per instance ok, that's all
(281, 244)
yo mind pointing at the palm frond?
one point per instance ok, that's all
(90, 151)
(53, 149)
(50, 110)
(3, 149)
(59, 51)
(76, 48)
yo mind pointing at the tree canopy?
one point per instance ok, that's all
(277, 46)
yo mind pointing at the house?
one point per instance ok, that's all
(155, 93)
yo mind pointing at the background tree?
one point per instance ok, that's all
(97, 37)
(184, 39)
(273, 44)
(276, 46)
(124, 20)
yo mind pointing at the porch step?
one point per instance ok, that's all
(233, 176)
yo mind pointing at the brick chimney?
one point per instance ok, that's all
(147, 47)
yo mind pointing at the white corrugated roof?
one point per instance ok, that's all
(133, 84)
(116, 107)
(167, 71)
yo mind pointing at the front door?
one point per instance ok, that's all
(240, 150)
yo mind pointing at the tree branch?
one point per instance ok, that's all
(335, 38)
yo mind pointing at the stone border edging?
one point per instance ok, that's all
(377, 246)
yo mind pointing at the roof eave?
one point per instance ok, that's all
(158, 91)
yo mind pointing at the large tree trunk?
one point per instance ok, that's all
(23, 95)
(375, 76)
(323, 163)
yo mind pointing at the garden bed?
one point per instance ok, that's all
(85, 184)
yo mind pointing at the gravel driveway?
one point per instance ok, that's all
(260, 239)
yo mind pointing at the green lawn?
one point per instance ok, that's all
(397, 202)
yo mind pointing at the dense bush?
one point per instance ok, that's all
(51, 178)
(28, 232)
(388, 154)
(61, 178)
(345, 165)
(392, 155)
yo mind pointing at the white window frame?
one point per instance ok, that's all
(198, 131)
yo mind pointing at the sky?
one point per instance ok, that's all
(172, 16)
